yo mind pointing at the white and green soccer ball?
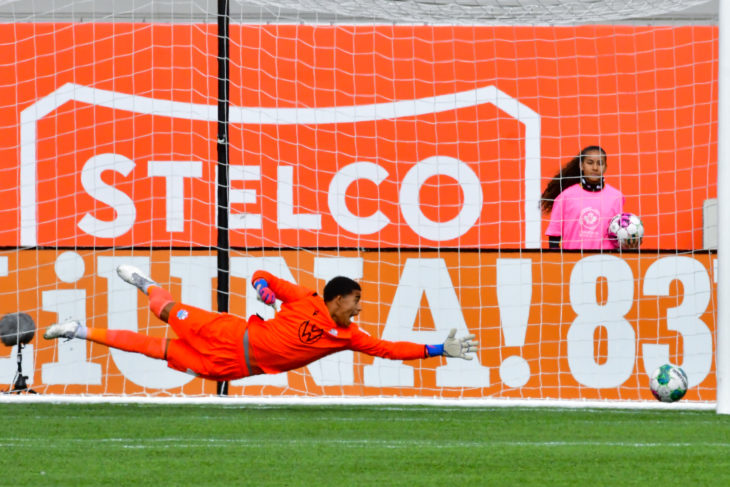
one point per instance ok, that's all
(669, 383)
(627, 229)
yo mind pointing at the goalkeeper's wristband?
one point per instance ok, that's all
(435, 350)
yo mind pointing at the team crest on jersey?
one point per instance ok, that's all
(309, 333)
(182, 314)
(589, 220)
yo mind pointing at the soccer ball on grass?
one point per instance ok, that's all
(669, 383)
(626, 229)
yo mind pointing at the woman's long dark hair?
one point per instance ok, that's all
(565, 178)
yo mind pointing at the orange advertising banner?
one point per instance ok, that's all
(549, 324)
(347, 136)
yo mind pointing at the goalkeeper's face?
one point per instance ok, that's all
(343, 309)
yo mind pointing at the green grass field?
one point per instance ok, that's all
(121, 445)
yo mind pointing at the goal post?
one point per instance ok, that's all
(723, 177)
(405, 144)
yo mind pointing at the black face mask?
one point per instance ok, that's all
(591, 186)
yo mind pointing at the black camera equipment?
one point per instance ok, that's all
(18, 329)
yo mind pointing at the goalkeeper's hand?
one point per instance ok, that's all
(454, 347)
(459, 347)
(265, 294)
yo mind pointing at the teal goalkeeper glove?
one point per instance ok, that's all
(454, 347)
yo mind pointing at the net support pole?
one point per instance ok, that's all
(722, 356)
(223, 245)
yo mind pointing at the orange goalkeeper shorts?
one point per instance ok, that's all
(209, 344)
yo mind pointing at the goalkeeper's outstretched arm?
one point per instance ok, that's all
(452, 347)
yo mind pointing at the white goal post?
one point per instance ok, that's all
(403, 143)
(723, 177)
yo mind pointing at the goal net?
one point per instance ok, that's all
(405, 144)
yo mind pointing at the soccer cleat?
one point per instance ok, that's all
(67, 329)
(134, 276)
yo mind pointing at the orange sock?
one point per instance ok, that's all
(159, 298)
(129, 341)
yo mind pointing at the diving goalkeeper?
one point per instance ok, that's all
(222, 346)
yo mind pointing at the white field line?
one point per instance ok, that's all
(392, 402)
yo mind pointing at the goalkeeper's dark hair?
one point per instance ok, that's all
(565, 178)
(339, 286)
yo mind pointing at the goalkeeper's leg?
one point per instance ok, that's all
(129, 341)
(178, 354)
(196, 327)
(219, 360)
(160, 298)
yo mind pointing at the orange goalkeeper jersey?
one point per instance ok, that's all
(303, 332)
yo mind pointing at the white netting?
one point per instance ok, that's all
(411, 157)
